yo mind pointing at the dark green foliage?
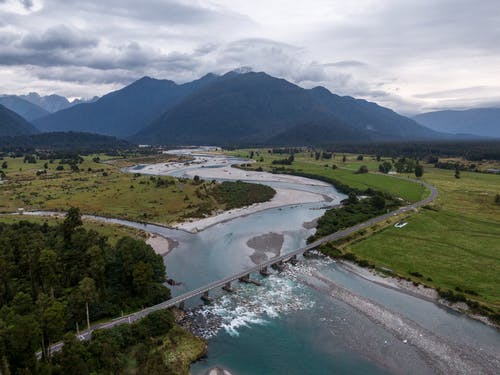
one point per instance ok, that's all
(29, 159)
(353, 212)
(287, 161)
(110, 349)
(419, 170)
(449, 295)
(77, 142)
(429, 150)
(362, 169)
(405, 165)
(50, 274)
(385, 167)
(238, 194)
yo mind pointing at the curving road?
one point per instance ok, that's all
(130, 318)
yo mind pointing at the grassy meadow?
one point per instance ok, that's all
(306, 163)
(102, 189)
(455, 245)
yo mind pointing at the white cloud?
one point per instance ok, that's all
(390, 51)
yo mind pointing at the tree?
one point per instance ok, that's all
(385, 167)
(73, 356)
(360, 157)
(88, 294)
(51, 314)
(49, 270)
(142, 277)
(352, 198)
(22, 340)
(362, 169)
(344, 159)
(378, 201)
(457, 173)
(72, 220)
(419, 171)
(4, 165)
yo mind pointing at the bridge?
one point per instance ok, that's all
(244, 276)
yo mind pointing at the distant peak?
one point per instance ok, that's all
(321, 89)
(145, 78)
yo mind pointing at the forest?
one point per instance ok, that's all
(470, 150)
(74, 141)
(57, 277)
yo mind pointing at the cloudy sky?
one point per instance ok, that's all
(410, 55)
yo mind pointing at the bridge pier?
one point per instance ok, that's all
(278, 266)
(264, 271)
(206, 298)
(307, 254)
(294, 260)
(181, 305)
(228, 288)
(246, 279)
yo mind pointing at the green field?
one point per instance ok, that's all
(344, 173)
(454, 244)
(102, 189)
(458, 245)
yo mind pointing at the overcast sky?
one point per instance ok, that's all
(410, 55)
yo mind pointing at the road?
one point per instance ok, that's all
(130, 318)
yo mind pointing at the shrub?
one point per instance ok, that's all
(362, 169)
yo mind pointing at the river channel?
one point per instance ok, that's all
(313, 318)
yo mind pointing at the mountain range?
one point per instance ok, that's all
(238, 108)
(235, 108)
(483, 122)
(23, 107)
(124, 112)
(53, 103)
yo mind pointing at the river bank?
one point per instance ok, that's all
(414, 289)
(283, 197)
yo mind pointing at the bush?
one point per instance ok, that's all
(362, 169)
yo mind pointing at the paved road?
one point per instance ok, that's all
(86, 334)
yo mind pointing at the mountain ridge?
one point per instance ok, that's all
(12, 124)
(121, 112)
(254, 107)
(484, 122)
(22, 107)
